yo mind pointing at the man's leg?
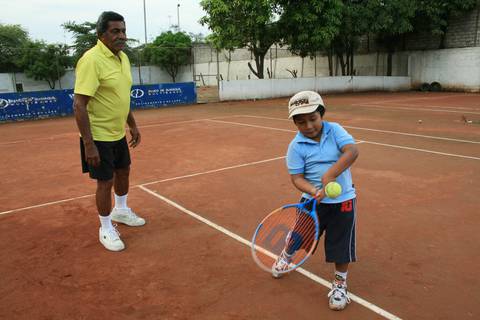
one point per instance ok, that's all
(104, 197)
(122, 213)
(122, 181)
(108, 235)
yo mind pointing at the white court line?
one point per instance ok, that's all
(415, 98)
(77, 134)
(378, 130)
(412, 109)
(434, 106)
(46, 204)
(365, 141)
(422, 150)
(212, 171)
(304, 272)
(148, 183)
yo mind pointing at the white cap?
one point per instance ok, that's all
(304, 102)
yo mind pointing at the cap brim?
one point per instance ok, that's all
(303, 110)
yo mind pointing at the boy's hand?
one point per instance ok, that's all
(319, 194)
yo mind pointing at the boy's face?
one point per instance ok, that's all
(309, 124)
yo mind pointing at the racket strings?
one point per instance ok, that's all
(291, 231)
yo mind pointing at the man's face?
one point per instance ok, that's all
(310, 124)
(115, 37)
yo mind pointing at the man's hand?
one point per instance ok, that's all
(136, 137)
(91, 154)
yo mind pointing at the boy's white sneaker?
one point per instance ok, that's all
(281, 265)
(110, 238)
(127, 216)
(338, 296)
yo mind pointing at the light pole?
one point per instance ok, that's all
(139, 53)
(178, 16)
(145, 20)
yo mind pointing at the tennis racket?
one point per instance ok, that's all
(286, 237)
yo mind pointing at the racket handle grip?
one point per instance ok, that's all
(319, 194)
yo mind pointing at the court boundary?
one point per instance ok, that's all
(372, 307)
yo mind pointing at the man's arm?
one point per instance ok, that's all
(136, 137)
(80, 102)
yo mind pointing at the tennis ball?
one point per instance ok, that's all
(333, 189)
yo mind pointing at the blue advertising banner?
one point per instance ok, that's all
(56, 103)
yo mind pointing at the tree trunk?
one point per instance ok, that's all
(259, 63)
(342, 63)
(330, 61)
(389, 63)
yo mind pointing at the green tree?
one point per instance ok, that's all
(170, 51)
(85, 36)
(390, 21)
(246, 23)
(12, 39)
(309, 26)
(433, 15)
(42, 61)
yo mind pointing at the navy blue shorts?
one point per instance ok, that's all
(113, 155)
(337, 220)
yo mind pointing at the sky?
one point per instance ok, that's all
(43, 18)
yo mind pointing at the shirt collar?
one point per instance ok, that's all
(104, 49)
(325, 131)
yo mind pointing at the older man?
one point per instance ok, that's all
(102, 108)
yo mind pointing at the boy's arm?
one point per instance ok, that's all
(348, 157)
(303, 185)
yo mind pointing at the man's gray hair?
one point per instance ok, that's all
(105, 18)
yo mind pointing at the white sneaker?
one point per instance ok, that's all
(110, 238)
(281, 265)
(338, 296)
(127, 216)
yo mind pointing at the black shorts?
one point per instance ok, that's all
(113, 155)
(338, 222)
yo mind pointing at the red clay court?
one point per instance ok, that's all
(205, 175)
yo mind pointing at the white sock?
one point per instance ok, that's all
(106, 222)
(121, 201)
(341, 276)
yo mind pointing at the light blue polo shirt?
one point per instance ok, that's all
(312, 159)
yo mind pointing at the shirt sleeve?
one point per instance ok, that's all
(342, 136)
(295, 161)
(86, 76)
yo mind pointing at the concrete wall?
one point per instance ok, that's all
(454, 69)
(274, 88)
(149, 75)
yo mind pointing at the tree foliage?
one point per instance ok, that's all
(12, 40)
(42, 61)
(309, 26)
(85, 37)
(433, 15)
(170, 51)
(246, 23)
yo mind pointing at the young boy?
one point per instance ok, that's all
(322, 152)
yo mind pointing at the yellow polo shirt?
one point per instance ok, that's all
(107, 79)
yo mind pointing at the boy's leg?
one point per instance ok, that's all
(340, 249)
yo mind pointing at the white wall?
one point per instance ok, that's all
(274, 88)
(454, 69)
(6, 83)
